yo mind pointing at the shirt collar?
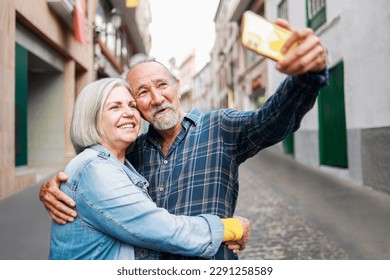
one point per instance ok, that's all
(193, 117)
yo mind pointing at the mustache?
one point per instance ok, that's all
(161, 107)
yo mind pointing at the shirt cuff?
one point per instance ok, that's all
(233, 230)
(314, 79)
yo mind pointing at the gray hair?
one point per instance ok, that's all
(86, 128)
(150, 59)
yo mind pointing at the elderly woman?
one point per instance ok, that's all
(116, 217)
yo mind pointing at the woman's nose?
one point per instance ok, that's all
(128, 111)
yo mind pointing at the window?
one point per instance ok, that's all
(257, 95)
(102, 21)
(115, 40)
(282, 10)
(316, 13)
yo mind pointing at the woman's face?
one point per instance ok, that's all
(120, 120)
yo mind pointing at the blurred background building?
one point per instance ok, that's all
(50, 50)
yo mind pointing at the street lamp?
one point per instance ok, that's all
(116, 21)
(116, 18)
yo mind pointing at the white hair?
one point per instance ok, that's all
(85, 127)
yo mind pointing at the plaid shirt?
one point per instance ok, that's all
(200, 172)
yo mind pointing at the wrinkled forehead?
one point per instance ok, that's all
(146, 72)
(119, 92)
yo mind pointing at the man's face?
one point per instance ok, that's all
(157, 95)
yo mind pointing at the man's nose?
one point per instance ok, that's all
(157, 97)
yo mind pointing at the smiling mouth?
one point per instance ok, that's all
(128, 125)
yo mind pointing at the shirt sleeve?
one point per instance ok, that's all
(247, 133)
(109, 202)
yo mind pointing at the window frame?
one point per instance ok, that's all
(283, 9)
(315, 13)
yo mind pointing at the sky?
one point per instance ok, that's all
(181, 26)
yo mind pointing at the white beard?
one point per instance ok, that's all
(158, 122)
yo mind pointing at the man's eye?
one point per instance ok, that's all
(142, 93)
(162, 84)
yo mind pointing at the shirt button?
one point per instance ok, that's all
(161, 189)
(165, 161)
(144, 253)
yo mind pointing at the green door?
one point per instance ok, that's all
(21, 74)
(332, 124)
(288, 144)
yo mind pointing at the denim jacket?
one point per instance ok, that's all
(116, 217)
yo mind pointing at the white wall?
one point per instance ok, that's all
(362, 39)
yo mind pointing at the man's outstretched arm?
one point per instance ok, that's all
(59, 205)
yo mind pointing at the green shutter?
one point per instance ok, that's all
(21, 78)
(332, 124)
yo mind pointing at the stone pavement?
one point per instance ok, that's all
(24, 227)
(296, 213)
(278, 231)
(299, 213)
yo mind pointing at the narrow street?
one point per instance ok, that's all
(296, 213)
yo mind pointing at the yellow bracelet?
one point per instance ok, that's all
(233, 229)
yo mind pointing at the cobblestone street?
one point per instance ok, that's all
(297, 214)
(278, 232)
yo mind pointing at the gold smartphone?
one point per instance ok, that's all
(262, 36)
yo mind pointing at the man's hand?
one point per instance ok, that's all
(240, 245)
(308, 56)
(55, 201)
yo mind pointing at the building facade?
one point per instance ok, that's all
(186, 76)
(201, 89)
(348, 130)
(50, 50)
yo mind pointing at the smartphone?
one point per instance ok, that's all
(263, 37)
